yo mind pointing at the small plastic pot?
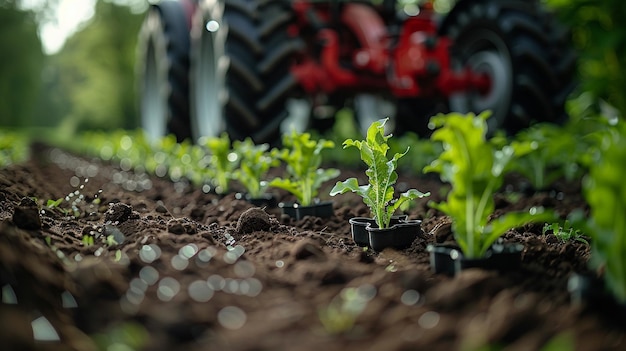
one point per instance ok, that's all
(399, 235)
(502, 257)
(320, 209)
(358, 228)
(442, 258)
(266, 200)
(589, 290)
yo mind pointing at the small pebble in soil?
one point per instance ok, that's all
(26, 215)
(120, 212)
(253, 219)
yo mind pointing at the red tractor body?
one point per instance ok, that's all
(246, 58)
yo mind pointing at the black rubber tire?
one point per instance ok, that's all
(163, 68)
(240, 68)
(528, 41)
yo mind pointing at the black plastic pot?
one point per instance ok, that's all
(320, 209)
(265, 201)
(358, 228)
(399, 235)
(443, 258)
(447, 259)
(589, 290)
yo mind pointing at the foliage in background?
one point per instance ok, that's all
(600, 37)
(303, 157)
(14, 148)
(605, 191)
(381, 173)
(90, 83)
(21, 65)
(475, 168)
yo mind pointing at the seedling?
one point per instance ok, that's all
(303, 158)
(381, 172)
(547, 153)
(256, 161)
(223, 162)
(564, 232)
(474, 167)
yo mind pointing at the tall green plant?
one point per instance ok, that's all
(303, 157)
(381, 172)
(475, 168)
(605, 191)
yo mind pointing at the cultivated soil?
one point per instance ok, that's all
(194, 271)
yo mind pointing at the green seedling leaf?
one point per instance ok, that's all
(381, 172)
(303, 158)
(54, 203)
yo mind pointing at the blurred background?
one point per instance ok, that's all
(69, 65)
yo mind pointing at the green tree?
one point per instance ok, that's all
(91, 80)
(21, 63)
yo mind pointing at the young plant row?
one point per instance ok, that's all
(217, 164)
(471, 163)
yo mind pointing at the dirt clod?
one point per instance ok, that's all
(181, 226)
(253, 219)
(26, 215)
(305, 249)
(120, 212)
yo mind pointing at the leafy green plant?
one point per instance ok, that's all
(546, 153)
(605, 191)
(303, 157)
(381, 172)
(564, 232)
(223, 161)
(256, 160)
(475, 168)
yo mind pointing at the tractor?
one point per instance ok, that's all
(252, 68)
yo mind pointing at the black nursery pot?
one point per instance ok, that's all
(443, 258)
(358, 227)
(320, 209)
(399, 235)
(266, 200)
(449, 260)
(589, 290)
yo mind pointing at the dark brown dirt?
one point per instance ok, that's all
(202, 272)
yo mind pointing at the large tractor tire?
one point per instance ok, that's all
(163, 68)
(526, 55)
(240, 59)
